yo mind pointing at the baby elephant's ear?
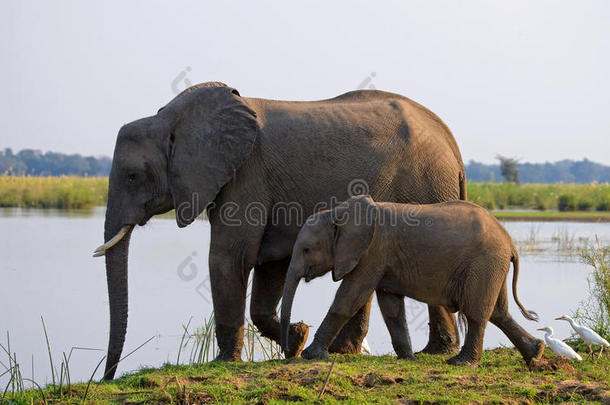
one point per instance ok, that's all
(354, 220)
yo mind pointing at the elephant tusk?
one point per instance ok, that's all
(115, 239)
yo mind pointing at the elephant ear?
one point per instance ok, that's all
(213, 135)
(354, 222)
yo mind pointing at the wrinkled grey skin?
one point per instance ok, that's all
(453, 254)
(210, 146)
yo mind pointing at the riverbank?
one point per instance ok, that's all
(552, 216)
(502, 377)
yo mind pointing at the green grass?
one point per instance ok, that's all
(53, 192)
(502, 377)
(562, 197)
(552, 215)
(83, 192)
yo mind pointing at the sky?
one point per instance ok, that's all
(526, 79)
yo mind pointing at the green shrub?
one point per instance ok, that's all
(542, 204)
(603, 205)
(567, 202)
(585, 205)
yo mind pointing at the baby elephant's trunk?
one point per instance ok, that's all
(531, 315)
(290, 287)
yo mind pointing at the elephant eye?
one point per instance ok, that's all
(306, 251)
(131, 177)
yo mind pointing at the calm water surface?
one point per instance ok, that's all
(47, 270)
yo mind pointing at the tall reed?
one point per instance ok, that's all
(53, 192)
(202, 347)
(595, 310)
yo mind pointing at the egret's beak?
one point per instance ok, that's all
(542, 329)
(561, 318)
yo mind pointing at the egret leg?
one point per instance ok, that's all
(601, 349)
(591, 352)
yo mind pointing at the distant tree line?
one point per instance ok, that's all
(564, 171)
(35, 163)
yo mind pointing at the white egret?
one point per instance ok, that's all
(365, 349)
(588, 335)
(559, 347)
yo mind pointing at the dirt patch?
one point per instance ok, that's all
(590, 391)
(465, 381)
(146, 382)
(279, 396)
(373, 379)
(551, 365)
(436, 375)
(308, 377)
(196, 379)
(468, 379)
(282, 374)
(337, 396)
(193, 397)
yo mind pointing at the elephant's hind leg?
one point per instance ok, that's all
(267, 288)
(349, 340)
(529, 347)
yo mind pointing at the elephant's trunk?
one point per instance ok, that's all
(290, 287)
(116, 276)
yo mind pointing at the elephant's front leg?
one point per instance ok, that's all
(267, 288)
(349, 339)
(229, 285)
(350, 297)
(443, 337)
(393, 310)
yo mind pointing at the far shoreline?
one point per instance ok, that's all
(551, 216)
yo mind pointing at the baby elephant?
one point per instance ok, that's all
(453, 254)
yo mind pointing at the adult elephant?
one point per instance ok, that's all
(260, 167)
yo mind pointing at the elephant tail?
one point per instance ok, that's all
(463, 192)
(531, 315)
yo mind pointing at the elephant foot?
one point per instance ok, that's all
(226, 356)
(314, 351)
(297, 336)
(442, 346)
(534, 351)
(435, 348)
(230, 341)
(463, 359)
(410, 357)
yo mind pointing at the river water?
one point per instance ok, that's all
(47, 270)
